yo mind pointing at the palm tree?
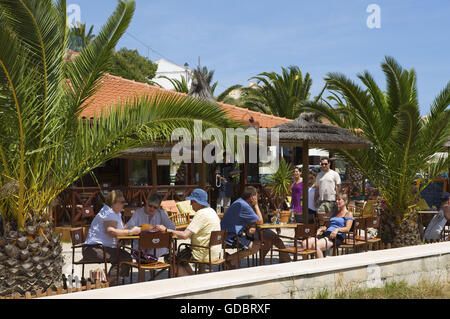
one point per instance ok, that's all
(279, 94)
(45, 146)
(403, 141)
(201, 84)
(178, 85)
(78, 38)
(226, 98)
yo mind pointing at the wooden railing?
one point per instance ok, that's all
(77, 206)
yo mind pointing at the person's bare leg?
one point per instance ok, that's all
(322, 245)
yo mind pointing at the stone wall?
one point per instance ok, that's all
(301, 279)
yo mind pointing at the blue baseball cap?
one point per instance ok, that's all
(445, 196)
(200, 196)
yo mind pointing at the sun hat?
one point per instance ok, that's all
(200, 196)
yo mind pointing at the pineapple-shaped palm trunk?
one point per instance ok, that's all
(400, 231)
(30, 259)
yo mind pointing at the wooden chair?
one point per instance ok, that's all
(373, 222)
(254, 256)
(445, 231)
(148, 241)
(78, 238)
(180, 220)
(353, 238)
(302, 232)
(217, 238)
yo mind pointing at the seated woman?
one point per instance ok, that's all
(106, 226)
(151, 214)
(340, 223)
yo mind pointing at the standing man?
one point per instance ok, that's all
(225, 189)
(328, 184)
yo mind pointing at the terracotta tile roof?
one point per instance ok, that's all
(113, 89)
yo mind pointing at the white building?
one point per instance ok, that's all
(172, 71)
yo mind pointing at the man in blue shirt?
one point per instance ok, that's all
(240, 218)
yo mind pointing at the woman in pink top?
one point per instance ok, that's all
(297, 192)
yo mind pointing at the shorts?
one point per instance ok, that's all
(326, 234)
(244, 241)
(224, 201)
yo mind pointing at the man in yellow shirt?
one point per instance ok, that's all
(199, 231)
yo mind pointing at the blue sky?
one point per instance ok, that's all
(239, 39)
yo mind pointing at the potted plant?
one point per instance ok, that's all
(279, 184)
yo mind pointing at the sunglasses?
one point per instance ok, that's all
(153, 206)
(324, 164)
(122, 201)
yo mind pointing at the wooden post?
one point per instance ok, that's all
(154, 170)
(127, 172)
(244, 168)
(305, 174)
(190, 173)
(202, 171)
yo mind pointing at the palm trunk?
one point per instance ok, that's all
(30, 259)
(400, 231)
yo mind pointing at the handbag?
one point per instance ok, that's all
(145, 257)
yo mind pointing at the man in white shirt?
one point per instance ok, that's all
(328, 184)
(437, 224)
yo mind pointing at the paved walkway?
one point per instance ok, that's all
(67, 254)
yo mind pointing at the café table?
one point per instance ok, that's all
(262, 227)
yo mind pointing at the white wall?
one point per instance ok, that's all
(171, 70)
(301, 279)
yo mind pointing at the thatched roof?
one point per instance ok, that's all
(147, 152)
(307, 128)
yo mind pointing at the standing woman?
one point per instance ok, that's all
(106, 226)
(312, 209)
(340, 223)
(297, 192)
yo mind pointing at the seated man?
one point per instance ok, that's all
(152, 214)
(437, 224)
(199, 231)
(240, 219)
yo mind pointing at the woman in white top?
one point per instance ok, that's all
(106, 226)
(312, 209)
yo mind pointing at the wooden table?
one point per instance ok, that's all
(261, 227)
(425, 215)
